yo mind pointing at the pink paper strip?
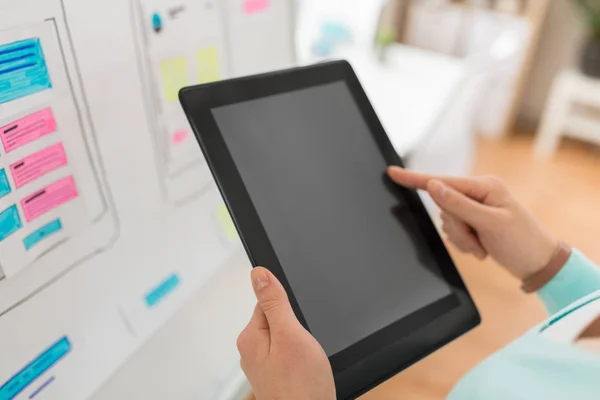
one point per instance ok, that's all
(255, 6)
(27, 129)
(49, 198)
(32, 167)
(179, 136)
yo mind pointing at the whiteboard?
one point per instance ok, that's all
(114, 267)
(260, 35)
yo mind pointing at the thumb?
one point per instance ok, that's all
(457, 204)
(272, 299)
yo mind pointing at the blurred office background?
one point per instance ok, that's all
(463, 87)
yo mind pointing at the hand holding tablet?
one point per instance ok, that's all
(300, 159)
(280, 358)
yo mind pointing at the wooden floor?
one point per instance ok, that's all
(565, 194)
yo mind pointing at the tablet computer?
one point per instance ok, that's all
(300, 158)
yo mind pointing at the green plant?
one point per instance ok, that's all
(385, 36)
(590, 10)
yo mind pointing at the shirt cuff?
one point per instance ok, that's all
(578, 278)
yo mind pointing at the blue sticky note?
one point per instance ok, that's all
(10, 222)
(36, 368)
(161, 291)
(157, 23)
(4, 185)
(23, 70)
(42, 233)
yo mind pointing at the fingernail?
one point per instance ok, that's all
(260, 278)
(440, 188)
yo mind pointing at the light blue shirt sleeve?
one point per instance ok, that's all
(535, 367)
(578, 278)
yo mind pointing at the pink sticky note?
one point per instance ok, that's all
(255, 6)
(38, 164)
(49, 198)
(179, 136)
(27, 129)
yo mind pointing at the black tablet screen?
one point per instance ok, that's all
(350, 249)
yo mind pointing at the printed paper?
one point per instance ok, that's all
(49, 198)
(27, 129)
(48, 156)
(38, 164)
(181, 43)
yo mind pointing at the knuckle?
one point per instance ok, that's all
(445, 228)
(494, 182)
(270, 304)
(500, 224)
(461, 241)
(455, 242)
(444, 216)
(242, 342)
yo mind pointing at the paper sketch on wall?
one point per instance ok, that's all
(55, 204)
(180, 43)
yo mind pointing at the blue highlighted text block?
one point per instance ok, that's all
(23, 70)
(25, 377)
(4, 185)
(161, 291)
(10, 222)
(42, 233)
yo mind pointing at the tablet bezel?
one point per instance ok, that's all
(381, 355)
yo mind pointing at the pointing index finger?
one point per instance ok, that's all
(414, 180)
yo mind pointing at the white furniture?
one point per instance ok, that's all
(436, 26)
(469, 27)
(562, 117)
(450, 147)
(409, 91)
(456, 126)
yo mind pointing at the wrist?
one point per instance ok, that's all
(540, 255)
(556, 261)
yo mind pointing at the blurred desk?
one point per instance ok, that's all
(410, 90)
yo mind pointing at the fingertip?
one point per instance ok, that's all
(261, 277)
(406, 178)
(393, 171)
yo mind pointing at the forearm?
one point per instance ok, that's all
(578, 278)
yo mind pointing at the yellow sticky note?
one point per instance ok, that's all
(227, 223)
(174, 76)
(208, 65)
